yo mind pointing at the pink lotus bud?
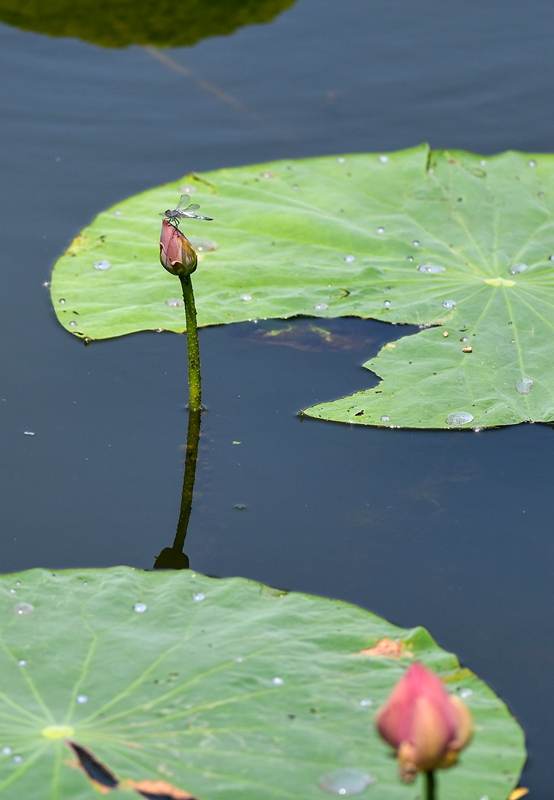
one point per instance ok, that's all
(176, 252)
(426, 725)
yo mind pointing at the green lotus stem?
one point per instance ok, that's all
(430, 785)
(195, 382)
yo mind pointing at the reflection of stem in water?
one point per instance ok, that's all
(173, 557)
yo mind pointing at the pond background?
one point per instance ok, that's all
(449, 530)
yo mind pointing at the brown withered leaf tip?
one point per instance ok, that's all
(386, 648)
(521, 791)
(158, 790)
(98, 774)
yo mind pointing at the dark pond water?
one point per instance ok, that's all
(450, 530)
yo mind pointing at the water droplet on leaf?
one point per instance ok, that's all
(349, 259)
(140, 608)
(18, 759)
(345, 781)
(524, 385)
(277, 681)
(321, 307)
(383, 159)
(515, 269)
(459, 418)
(198, 597)
(246, 297)
(532, 163)
(466, 693)
(6, 751)
(22, 662)
(415, 243)
(22, 609)
(366, 703)
(174, 302)
(81, 699)
(430, 269)
(101, 265)
(384, 418)
(380, 230)
(449, 303)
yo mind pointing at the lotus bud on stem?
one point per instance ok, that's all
(425, 724)
(178, 257)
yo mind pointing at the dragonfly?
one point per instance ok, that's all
(183, 211)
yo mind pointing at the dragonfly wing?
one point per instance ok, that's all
(183, 200)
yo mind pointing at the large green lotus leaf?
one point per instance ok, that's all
(443, 239)
(222, 688)
(164, 23)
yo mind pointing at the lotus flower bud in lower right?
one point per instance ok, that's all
(425, 724)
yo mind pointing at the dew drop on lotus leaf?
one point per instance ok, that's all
(431, 269)
(198, 597)
(459, 418)
(524, 385)
(277, 681)
(345, 781)
(22, 662)
(532, 163)
(387, 303)
(366, 703)
(140, 608)
(6, 751)
(101, 265)
(22, 609)
(380, 230)
(385, 418)
(18, 759)
(515, 269)
(349, 259)
(466, 692)
(415, 243)
(73, 324)
(383, 159)
(321, 307)
(81, 699)
(449, 303)
(246, 297)
(174, 302)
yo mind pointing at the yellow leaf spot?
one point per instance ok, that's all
(386, 648)
(500, 282)
(58, 731)
(517, 793)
